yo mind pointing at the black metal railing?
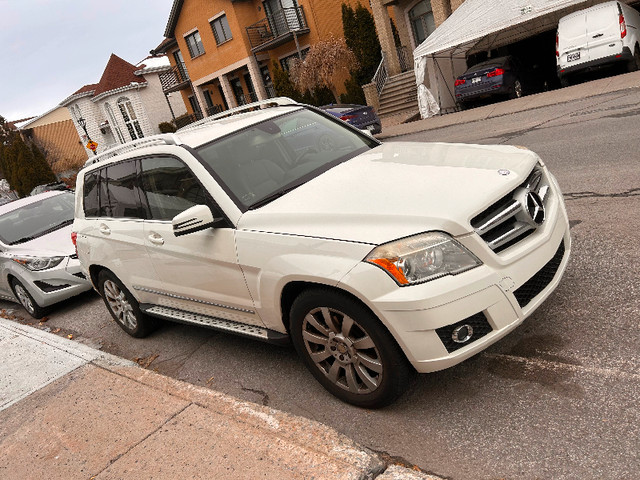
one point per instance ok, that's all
(405, 58)
(213, 109)
(186, 119)
(173, 79)
(277, 24)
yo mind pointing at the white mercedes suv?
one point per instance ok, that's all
(282, 223)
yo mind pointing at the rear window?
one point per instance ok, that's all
(36, 219)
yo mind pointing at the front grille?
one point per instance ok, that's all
(540, 280)
(507, 221)
(47, 288)
(480, 327)
(80, 275)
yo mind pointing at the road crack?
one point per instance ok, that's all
(634, 192)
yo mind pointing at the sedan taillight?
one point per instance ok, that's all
(347, 117)
(495, 73)
(460, 81)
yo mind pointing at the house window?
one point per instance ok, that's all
(114, 123)
(422, 22)
(194, 44)
(285, 62)
(221, 30)
(130, 118)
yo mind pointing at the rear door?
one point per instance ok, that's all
(603, 31)
(572, 39)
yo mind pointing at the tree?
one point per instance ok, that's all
(323, 62)
(285, 87)
(24, 166)
(360, 36)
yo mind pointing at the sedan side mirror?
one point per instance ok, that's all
(194, 219)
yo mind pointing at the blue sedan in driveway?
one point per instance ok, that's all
(360, 116)
(494, 77)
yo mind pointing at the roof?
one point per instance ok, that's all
(173, 18)
(479, 25)
(165, 45)
(117, 74)
(153, 63)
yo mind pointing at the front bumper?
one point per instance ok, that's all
(53, 285)
(498, 295)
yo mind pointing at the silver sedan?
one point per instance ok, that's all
(38, 262)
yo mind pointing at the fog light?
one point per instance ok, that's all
(462, 334)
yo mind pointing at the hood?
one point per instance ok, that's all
(396, 190)
(54, 244)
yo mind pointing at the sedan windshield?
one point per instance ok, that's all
(262, 162)
(36, 219)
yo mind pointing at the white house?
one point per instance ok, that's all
(126, 104)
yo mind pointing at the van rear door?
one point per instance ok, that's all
(572, 39)
(603, 27)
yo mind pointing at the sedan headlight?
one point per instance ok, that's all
(38, 263)
(422, 258)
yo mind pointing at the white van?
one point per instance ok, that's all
(595, 37)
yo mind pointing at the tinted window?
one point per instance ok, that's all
(170, 187)
(90, 194)
(122, 190)
(36, 219)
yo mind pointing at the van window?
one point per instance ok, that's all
(113, 191)
(170, 187)
(90, 194)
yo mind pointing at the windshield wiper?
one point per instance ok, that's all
(40, 234)
(22, 240)
(272, 197)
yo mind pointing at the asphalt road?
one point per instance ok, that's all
(556, 399)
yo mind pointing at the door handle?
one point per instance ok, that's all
(105, 230)
(156, 239)
(598, 35)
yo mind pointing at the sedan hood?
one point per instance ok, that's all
(396, 190)
(54, 244)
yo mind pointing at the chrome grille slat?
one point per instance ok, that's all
(515, 231)
(499, 217)
(544, 190)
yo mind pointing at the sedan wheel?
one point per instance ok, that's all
(347, 349)
(517, 89)
(27, 301)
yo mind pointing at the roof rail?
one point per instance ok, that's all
(162, 139)
(269, 102)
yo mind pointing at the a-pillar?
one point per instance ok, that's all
(256, 78)
(228, 91)
(385, 35)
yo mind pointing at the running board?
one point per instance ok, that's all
(220, 324)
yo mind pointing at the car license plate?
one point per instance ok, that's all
(476, 80)
(573, 56)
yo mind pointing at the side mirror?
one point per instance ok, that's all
(194, 219)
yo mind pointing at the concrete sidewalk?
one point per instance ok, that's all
(69, 411)
(391, 126)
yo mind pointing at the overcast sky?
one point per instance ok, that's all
(51, 48)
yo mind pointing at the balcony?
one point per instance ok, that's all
(277, 29)
(174, 80)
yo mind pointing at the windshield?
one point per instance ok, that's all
(266, 160)
(36, 219)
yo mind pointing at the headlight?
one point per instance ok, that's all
(422, 258)
(38, 263)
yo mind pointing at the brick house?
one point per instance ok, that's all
(221, 51)
(127, 103)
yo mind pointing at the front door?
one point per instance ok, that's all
(199, 271)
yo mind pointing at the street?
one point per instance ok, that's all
(556, 399)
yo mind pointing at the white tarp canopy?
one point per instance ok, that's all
(481, 25)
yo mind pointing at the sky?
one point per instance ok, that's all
(51, 48)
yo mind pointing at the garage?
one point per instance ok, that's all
(481, 27)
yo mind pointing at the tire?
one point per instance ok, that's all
(516, 90)
(634, 64)
(27, 301)
(123, 307)
(347, 349)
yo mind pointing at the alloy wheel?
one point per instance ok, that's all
(342, 350)
(517, 88)
(24, 298)
(119, 305)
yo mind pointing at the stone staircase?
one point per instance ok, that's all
(399, 95)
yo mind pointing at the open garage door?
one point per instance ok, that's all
(478, 26)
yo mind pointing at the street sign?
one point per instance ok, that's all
(92, 145)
